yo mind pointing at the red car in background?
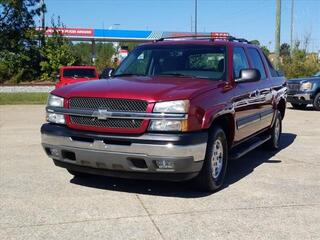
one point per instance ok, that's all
(75, 74)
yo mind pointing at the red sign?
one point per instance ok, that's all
(71, 31)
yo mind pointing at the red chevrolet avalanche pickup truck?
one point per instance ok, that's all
(75, 74)
(173, 110)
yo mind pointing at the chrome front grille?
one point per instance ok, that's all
(108, 123)
(294, 87)
(110, 104)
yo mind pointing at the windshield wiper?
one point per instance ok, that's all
(127, 74)
(174, 74)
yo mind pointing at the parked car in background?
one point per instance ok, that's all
(74, 74)
(173, 110)
(304, 91)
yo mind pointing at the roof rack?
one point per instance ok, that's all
(202, 36)
(213, 36)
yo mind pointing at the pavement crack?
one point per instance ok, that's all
(72, 222)
(150, 216)
(238, 209)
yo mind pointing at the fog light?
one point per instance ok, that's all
(54, 152)
(56, 118)
(165, 164)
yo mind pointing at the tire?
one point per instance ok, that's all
(316, 102)
(216, 156)
(299, 106)
(275, 132)
(78, 174)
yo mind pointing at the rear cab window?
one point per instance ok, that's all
(257, 61)
(79, 73)
(272, 71)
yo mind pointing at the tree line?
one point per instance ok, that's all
(26, 55)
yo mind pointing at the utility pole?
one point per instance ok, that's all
(195, 16)
(291, 26)
(277, 34)
(42, 14)
(191, 24)
(43, 24)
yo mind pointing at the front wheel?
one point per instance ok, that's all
(212, 174)
(316, 102)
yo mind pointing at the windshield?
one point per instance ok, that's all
(79, 73)
(179, 61)
(317, 74)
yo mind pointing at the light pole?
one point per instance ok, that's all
(277, 34)
(291, 26)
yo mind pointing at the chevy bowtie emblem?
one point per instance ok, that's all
(102, 114)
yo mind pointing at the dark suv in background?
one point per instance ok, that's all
(304, 91)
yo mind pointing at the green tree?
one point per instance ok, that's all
(265, 50)
(285, 50)
(82, 51)
(255, 42)
(300, 63)
(104, 55)
(56, 52)
(19, 52)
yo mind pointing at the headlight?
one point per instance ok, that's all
(180, 106)
(55, 101)
(306, 86)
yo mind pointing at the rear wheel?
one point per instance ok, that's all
(298, 106)
(78, 174)
(316, 102)
(275, 132)
(212, 174)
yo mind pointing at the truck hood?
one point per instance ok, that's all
(151, 89)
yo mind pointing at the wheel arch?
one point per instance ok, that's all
(281, 106)
(227, 123)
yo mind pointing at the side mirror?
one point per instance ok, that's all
(249, 75)
(107, 73)
(57, 77)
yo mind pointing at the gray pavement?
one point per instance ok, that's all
(267, 195)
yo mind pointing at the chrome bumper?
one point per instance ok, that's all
(300, 96)
(98, 154)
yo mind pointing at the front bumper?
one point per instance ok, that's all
(300, 97)
(126, 156)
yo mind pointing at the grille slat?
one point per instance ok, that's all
(110, 104)
(117, 105)
(108, 123)
(294, 86)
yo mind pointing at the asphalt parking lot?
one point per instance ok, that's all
(267, 195)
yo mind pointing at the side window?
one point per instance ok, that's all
(273, 72)
(239, 61)
(257, 61)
